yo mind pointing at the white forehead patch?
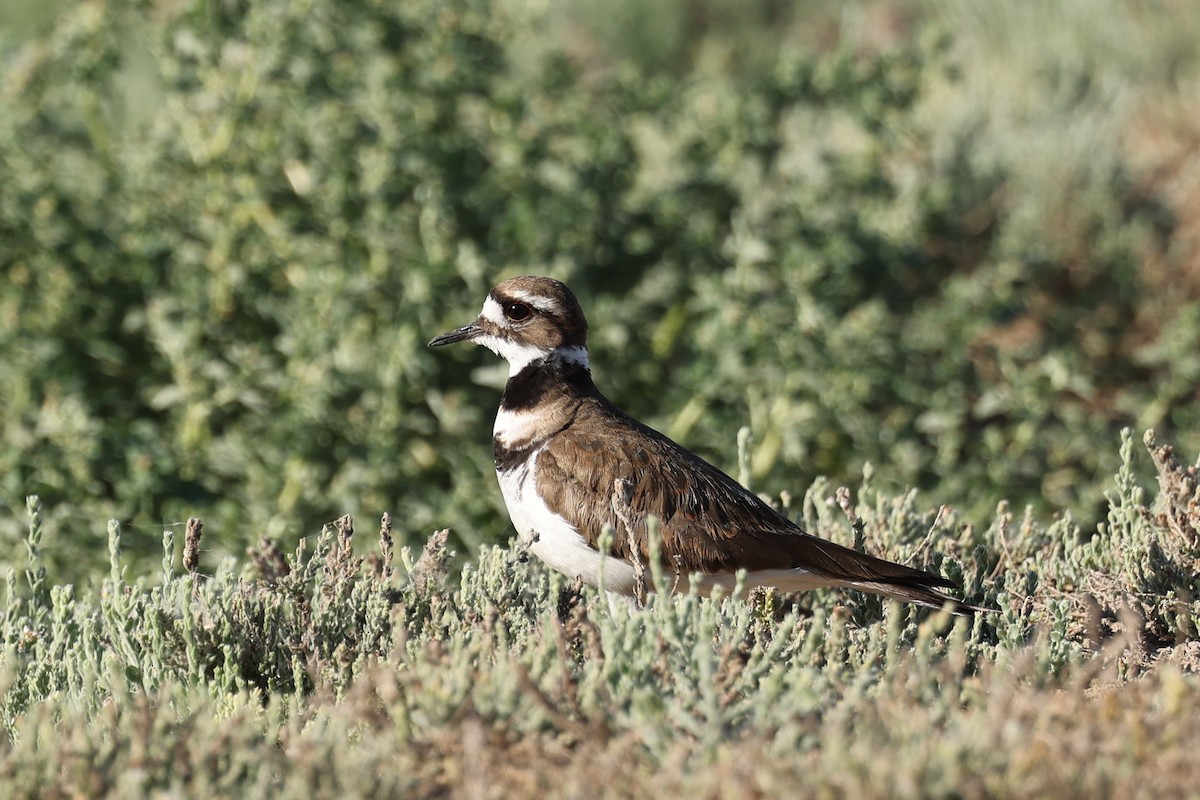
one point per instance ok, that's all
(492, 311)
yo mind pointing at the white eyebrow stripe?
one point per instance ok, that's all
(538, 301)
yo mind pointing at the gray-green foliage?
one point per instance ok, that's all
(228, 232)
(325, 673)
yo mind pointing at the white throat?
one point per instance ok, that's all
(519, 356)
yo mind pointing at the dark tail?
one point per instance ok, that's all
(867, 573)
(921, 595)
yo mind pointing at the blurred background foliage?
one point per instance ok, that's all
(959, 241)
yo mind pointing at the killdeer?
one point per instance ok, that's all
(561, 447)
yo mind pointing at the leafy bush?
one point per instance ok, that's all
(229, 231)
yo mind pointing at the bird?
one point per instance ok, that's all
(578, 474)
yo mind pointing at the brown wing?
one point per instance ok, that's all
(709, 523)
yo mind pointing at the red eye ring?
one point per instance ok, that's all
(517, 312)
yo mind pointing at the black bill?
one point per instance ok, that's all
(465, 333)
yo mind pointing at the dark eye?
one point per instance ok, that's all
(517, 311)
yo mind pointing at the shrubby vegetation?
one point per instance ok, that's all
(323, 674)
(229, 230)
(925, 241)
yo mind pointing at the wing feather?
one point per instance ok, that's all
(708, 522)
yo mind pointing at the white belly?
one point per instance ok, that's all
(554, 540)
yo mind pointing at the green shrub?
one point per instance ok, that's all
(229, 231)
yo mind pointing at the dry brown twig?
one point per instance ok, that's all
(622, 493)
(845, 502)
(1179, 488)
(191, 545)
(430, 571)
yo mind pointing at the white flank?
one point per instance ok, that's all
(554, 540)
(514, 428)
(785, 580)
